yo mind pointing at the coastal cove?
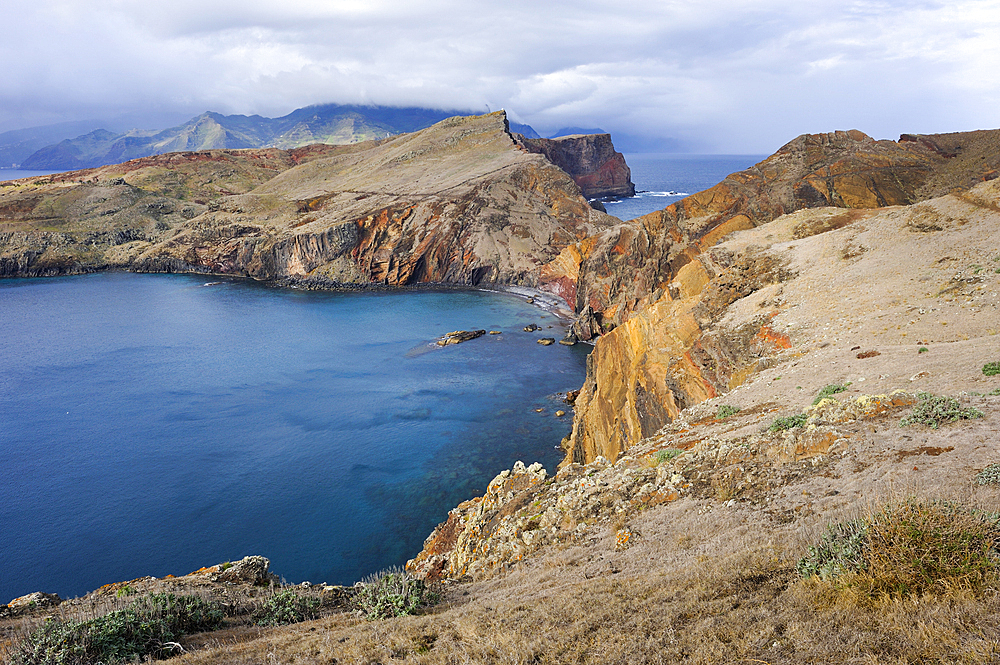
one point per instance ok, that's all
(158, 423)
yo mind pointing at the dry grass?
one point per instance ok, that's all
(698, 587)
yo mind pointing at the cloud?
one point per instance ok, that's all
(719, 75)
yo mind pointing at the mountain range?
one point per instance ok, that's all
(79, 145)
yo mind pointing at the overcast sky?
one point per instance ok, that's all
(729, 76)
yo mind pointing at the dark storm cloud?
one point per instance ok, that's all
(717, 74)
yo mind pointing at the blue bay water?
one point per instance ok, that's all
(154, 424)
(664, 178)
(150, 425)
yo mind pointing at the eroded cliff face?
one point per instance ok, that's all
(460, 202)
(655, 288)
(590, 159)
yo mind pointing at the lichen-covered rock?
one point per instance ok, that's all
(248, 570)
(33, 601)
(524, 509)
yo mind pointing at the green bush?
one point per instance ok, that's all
(286, 607)
(828, 391)
(392, 593)
(726, 410)
(991, 369)
(142, 629)
(933, 410)
(922, 349)
(788, 422)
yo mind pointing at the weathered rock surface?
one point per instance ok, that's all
(654, 283)
(592, 161)
(460, 202)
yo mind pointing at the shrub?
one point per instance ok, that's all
(922, 349)
(910, 547)
(286, 607)
(991, 369)
(830, 390)
(932, 410)
(141, 629)
(392, 593)
(788, 422)
(726, 410)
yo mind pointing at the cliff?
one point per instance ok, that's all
(460, 202)
(590, 159)
(658, 280)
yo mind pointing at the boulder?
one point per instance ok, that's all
(249, 570)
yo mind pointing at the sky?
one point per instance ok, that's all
(711, 76)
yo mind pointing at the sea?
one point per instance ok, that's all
(155, 424)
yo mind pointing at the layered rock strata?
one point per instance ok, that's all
(460, 202)
(659, 290)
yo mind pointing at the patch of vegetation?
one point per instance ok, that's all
(989, 476)
(922, 349)
(666, 454)
(839, 551)
(392, 593)
(830, 390)
(933, 410)
(910, 547)
(286, 607)
(994, 392)
(991, 369)
(726, 410)
(788, 422)
(145, 628)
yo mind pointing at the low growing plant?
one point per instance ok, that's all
(142, 629)
(933, 410)
(830, 390)
(922, 349)
(912, 546)
(991, 369)
(666, 454)
(286, 607)
(788, 422)
(726, 410)
(989, 476)
(392, 593)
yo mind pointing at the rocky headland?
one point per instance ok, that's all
(461, 202)
(813, 341)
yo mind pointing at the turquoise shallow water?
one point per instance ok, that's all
(150, 425)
